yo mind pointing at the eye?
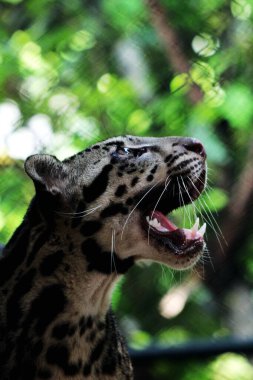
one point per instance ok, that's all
(122, 151)
(125, 152)
(135, 152)
(142, 151)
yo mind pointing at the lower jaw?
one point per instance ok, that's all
(182, 261)
(180, 258)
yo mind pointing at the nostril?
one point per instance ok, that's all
(196, 147)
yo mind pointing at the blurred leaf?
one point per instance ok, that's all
(180, 82)
(237, 107)
(139, 339)
(232, 367)
(138, 122)
(172, 336)
(117, 293)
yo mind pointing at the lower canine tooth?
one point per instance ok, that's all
(202, 230)
(196, 226)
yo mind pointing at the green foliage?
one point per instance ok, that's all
(239, 97)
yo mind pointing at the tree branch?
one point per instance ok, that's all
(235, 228)
(240, 199)
(171, 42)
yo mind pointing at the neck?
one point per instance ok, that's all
(60, 261)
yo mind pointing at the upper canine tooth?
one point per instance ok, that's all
(195, 226)
(147, 219)
(202, 230)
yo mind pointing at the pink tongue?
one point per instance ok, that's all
(163, 220)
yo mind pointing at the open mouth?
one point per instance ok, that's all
(181, 242)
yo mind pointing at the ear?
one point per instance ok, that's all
(47, 173)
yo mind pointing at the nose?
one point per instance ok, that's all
(195, 146)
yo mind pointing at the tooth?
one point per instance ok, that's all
(147, 219)
(202, 230)
(196, 226)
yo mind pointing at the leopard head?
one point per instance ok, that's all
(114, 198)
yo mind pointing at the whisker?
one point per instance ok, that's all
(79, 214)
(112, 251)
(211, 218)
(186, 211)
(123, 228)
(192, 202)
(165, 188)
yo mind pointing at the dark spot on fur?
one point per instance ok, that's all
(87, 370)
(183, 164)
(37, 348)
(71, 246)
(67, 268)
(44, 374)
(134, 181)
(131, 171)
(98, 185)
(82, 321)
(129, 201)
(96, 147)
(101, 261)
(113, 160)
(39, 242)
(109, 364)
(82, 330)
(150, 178)
(91, 336)
(101, 326)
(89, 322)
(117, 143)
(97, 351)
(153, 171)
(14, 311)
(51, 263)
(15, 252)
(50, 302)
(89, 228)
(85, 323)
(119, 174)
(123, 167)
(114, 209)
(168, 158)
(61, 330)
(59, 355)
(121, 190)
(72, 330)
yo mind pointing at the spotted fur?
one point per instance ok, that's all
(82, 231)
